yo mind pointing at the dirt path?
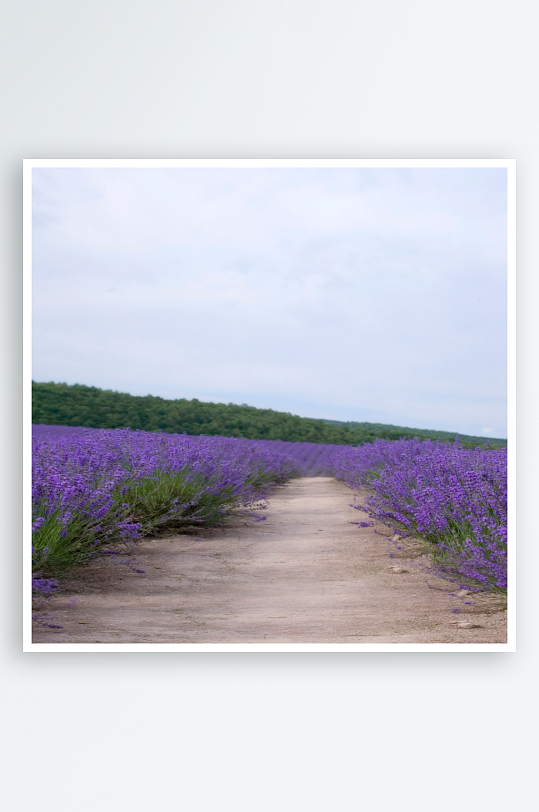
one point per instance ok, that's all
(305, 575)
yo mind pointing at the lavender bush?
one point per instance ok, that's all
(453, 498)
(93, 489)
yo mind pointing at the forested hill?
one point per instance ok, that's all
(427, 434)
(62, 405)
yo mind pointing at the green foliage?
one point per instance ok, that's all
(62, 405)
(57, 546)
(172, 501)
(389, 432)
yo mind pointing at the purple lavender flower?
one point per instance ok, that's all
(95, 489)
(454, 498)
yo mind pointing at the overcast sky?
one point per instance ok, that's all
(350, 294)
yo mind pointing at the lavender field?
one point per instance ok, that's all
(95, 489)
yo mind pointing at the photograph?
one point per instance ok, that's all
(269, 405)
(270, 348)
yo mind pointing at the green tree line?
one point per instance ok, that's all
(61, 404)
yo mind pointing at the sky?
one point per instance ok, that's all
(369, 294)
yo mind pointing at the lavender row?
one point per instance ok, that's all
(310, 459)
(453, 498)
(93, 489)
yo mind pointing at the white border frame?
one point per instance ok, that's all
(95, 163)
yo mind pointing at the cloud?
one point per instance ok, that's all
(347, 294)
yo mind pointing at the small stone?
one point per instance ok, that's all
(398, 570)
(465, 624)
(396, 538)
(463, 592)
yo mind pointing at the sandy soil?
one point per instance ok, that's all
(305, 575)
